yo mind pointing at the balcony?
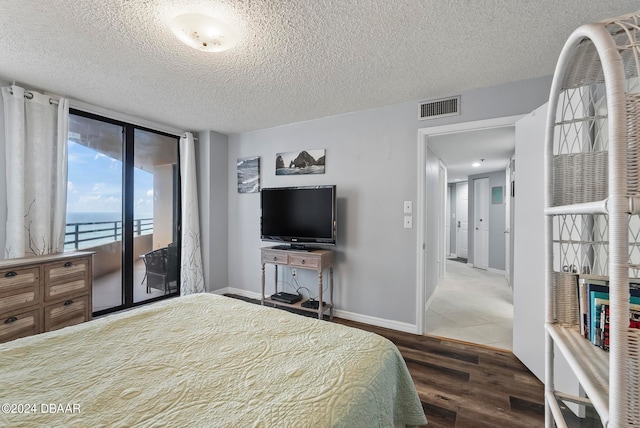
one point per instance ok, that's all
(105, 239)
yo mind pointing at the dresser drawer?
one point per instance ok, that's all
(66, 278)
(14, 326)
(275, 257)
(65, 313)
(304, 261)
(19, 288)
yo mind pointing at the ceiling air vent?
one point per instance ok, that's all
(440, 108)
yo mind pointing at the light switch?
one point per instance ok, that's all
(408, 222)
(408, 207)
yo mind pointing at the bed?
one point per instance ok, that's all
(206, 360)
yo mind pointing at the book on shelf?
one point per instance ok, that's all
(593, 299)
(582, 305)
(634, 322)
(604, 322)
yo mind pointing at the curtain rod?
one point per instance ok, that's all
(29, 95)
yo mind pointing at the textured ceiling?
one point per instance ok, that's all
(296, 60)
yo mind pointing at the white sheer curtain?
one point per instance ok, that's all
(36, 172)
(192, 279)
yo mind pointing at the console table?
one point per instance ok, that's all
(317, 260)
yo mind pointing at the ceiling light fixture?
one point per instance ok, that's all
(203, 32)
(477, 164)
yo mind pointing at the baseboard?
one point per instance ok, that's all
(365, 319)
(378, 322)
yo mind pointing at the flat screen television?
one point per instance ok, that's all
(299, 216)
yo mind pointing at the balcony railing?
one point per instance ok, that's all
(89, 234)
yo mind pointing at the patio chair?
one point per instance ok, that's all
(162, 269)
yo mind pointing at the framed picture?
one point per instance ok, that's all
(249, 175)
(497, 194)
(303, 162)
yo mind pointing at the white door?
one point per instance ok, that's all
(481, 223)
(462, 217)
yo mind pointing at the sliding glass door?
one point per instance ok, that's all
(122, 201)
(155, 194)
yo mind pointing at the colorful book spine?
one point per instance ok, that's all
(604, 323)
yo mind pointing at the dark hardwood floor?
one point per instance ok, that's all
(465, 385)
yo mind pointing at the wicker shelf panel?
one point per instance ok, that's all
(590, 364)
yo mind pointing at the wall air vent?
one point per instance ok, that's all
(440, 108)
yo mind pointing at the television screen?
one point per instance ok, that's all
(299, 214)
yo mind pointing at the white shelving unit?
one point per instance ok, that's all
(592, 181)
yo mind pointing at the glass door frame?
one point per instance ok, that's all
(128, 156)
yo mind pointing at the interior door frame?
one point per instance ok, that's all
(442, 219)
(423, 140)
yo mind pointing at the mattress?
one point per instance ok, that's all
(206, 360)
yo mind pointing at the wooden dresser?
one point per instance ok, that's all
(44, 293)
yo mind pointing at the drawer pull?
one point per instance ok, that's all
(302, 261)
(68, 302)
(68, 264)
(275, 258)
(10, 274)
(10, 320)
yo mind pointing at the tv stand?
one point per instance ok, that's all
(310, 258)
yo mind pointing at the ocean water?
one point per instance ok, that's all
(79, 217)
(248, 176)
(108, 229)
(313, 169)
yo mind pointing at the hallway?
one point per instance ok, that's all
(472, 305)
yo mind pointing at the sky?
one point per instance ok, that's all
(94, 184)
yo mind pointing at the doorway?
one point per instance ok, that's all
(426, 289)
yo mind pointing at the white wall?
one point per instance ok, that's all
(212, 169)
(371, 157)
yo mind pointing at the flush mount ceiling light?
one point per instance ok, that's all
(477, 164)
(203, 32)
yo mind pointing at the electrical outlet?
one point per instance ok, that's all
(294, 272)
(408, 222)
